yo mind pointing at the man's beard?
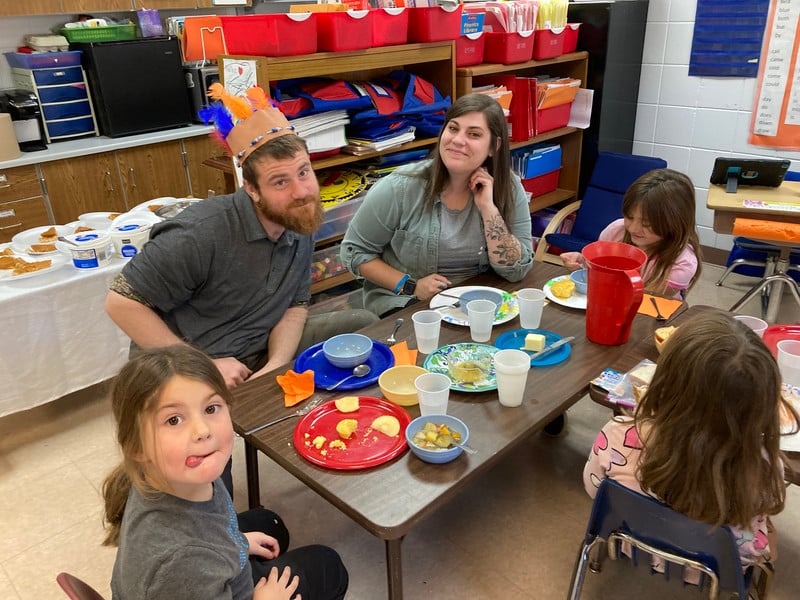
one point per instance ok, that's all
(303, 216)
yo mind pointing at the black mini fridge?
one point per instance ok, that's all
(137, 85)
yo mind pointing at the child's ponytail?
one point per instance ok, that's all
(116, 488)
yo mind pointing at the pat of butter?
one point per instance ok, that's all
(534, 342)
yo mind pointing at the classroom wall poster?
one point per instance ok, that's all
(776, 112)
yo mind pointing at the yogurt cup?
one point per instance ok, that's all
(129, 236)
(90, 249)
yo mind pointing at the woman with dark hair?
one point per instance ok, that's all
(434, 223)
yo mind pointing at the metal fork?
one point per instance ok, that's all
(298, 413)
(391, 339)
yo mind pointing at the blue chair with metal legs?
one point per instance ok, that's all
(622, 515)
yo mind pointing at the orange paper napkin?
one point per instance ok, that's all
(402, 355)
(296, 386)
(766, 230)
(666, 306)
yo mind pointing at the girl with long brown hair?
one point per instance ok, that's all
(167, 509)
(659, 218)
(704, 439)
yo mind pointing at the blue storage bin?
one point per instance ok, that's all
(43, 60)
(70, 127)
(57, 76)
(62, 93)
(66, 110)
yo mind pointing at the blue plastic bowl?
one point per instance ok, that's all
(579, 279)
(347, 350)
(437, 456)
(489, 295)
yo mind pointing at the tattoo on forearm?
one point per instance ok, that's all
(507, 250)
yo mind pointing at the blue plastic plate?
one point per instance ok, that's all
(326, 374)
(515, 340)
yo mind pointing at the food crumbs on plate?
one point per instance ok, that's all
(374, 438)
(324, 452)
(306, 435)
(307, 443)
(319, 441)
(338, 444)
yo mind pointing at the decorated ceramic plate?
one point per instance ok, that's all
(515, 340)
(575, 301)
(437, 362)
(366, 447)
(458, 316)
(790, 442)
(326, 374)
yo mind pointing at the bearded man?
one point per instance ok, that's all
(231, 275)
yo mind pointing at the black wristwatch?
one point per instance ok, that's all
(409, 287)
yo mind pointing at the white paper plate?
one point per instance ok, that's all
(98, 220)
(58, 260)
(140, 216)
(164, 201)
(575, 301)
(456, 316)
(23, 240)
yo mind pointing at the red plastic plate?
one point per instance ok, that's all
(776, 333)
(365, 448)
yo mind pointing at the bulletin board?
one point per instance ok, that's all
(776, 111)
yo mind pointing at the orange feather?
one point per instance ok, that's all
(258, 98)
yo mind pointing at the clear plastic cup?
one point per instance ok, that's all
(427, 324)
(531, 302)
(754, 323)
(433, 391)
(511, 371)
(481, 318)
(789, 361)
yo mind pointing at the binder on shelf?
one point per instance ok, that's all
(523, 124)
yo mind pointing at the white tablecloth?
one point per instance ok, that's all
(56, 335)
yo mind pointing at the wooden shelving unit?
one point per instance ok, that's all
(573, 65)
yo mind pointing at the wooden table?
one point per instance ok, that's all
(389, 500)
(646, 348)
(779, 204)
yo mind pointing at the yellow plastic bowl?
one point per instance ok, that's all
(397, 384)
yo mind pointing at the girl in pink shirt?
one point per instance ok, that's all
(659, 218)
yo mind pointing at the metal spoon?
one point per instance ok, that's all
(659, 316)
(358, 371)
(61, 238)
(466, 447)
(391, 339)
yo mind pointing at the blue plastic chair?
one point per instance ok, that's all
(612, 175)
(622, 515)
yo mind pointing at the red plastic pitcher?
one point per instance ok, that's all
(614, 290)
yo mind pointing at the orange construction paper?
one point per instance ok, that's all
(774, 231)
(402, 354)
(665, 305)
(296, 386)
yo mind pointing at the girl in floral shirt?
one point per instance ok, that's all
(704, 439)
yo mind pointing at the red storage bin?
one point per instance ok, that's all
(547, 182)
(389, 26)
(271, 35)
(549, 43)
(571, 37)
(342, 31)
(508, 48)
(553, 117)
(469, 49)
(434, 23)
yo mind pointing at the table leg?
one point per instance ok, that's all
(394, 568)
(251, 469)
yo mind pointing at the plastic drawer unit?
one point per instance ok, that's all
(60, 85)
